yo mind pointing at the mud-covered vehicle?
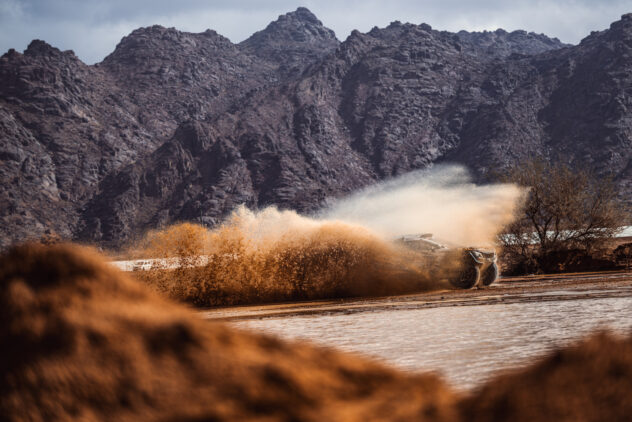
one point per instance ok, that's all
(464, 268)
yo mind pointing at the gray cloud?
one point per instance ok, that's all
(93, 28)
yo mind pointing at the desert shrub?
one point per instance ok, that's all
(567, 214)
(623, 255)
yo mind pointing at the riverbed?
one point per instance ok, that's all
(467, 336)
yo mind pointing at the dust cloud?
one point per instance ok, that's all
(346, 250)
(443, 201)
(272, 255)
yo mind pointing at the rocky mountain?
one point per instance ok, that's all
(64, 126)
(292, 41)
(501, 43)
(176, 126)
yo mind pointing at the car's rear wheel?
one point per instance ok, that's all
(490, 274)
(467, 278)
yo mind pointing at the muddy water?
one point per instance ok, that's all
(467, 344)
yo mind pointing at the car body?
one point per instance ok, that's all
(464, 268)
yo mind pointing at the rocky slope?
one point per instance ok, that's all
(64, 126)
(177, 126)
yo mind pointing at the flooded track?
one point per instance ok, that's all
(466, 335)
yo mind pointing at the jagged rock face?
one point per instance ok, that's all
(293, 41)
(501, 43)
(64, 126)
(174, 76)
(175, 126)
(191, 172)
(571, 104)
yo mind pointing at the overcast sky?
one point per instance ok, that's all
(93, 28)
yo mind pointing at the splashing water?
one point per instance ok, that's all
(346, 250)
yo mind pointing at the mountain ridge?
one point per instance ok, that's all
(178, 126)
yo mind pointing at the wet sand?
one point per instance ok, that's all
(507, 290)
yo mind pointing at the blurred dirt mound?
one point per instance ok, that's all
(81, 341)
(590, 381)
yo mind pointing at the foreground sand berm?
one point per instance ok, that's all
(82, 341)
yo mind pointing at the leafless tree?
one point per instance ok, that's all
(564, 209)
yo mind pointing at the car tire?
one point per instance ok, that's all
(490, 274)
(467, 278)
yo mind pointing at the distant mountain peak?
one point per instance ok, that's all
(41, 48)
(624, 25)
(293, 37)
(303, 14)
(300, 26)
(147, 43)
